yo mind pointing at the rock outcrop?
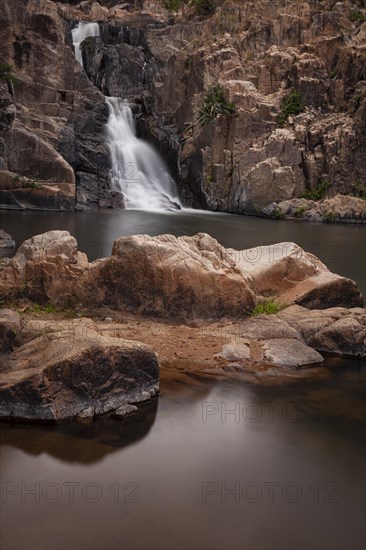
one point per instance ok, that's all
(165, 63)
(335, 330)
(69, 370)
(184, 278)
(345, 209)
(51, 116)
(288, 274)
(45, 268)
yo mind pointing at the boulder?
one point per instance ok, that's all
(335, 330)
(290, 352)
(70, 370)
(288, 274)
(6, 240)
(45, 268)
(183, 278)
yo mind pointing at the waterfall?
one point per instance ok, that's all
(80, 33)
(137, 170)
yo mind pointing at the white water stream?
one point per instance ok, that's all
(80, 33)
(137, 169)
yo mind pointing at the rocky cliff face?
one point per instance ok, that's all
(165, 63)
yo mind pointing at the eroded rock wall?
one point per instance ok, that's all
(164, 63)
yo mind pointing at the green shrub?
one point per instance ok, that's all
(6, 72)
(209, 179)
(214, 105)
(173, 4)
(280, 214)
(269, 307)
(30, 183)
(300, 212)
(331, 217)
(318, 193)
(205, 7)
(291, 104)
(357, 16)
(360, 190)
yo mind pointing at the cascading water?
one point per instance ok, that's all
(80, 33)
(137, 170)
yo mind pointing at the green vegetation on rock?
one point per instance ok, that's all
(214, 105)
(30, 183)
(360, 190)
(205, 7)
(172, 4)
(357, 16)
(267, 308)
(291, 104)
(6, 72)
(318, 192)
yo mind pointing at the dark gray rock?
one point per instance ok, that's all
(72, 371)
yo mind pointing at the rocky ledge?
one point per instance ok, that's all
(200, 306)
(341, 208)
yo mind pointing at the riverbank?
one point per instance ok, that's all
(338, 209)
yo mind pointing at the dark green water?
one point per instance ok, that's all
(211, 465)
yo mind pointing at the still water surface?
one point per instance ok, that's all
(284, 471)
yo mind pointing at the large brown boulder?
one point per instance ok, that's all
(70, 370)
(183, 278)
(288, 274)
(45, 268)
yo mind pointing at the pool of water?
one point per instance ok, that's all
(212, 464)
(340, 247)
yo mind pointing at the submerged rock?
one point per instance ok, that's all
(70, 370)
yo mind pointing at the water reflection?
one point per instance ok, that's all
(84, 443)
